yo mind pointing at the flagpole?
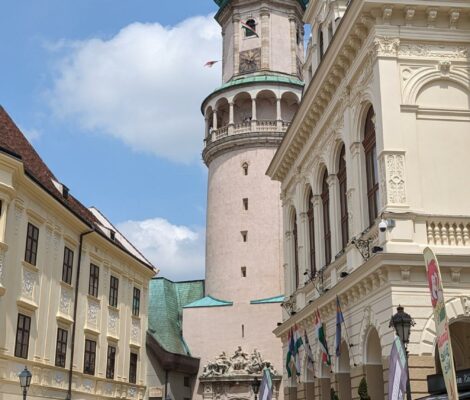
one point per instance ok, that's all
(348, 341)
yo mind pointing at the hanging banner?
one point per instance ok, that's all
(442, 325)
(397, 376)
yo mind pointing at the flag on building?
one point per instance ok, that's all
(293, 356)
(325, 356)
(308, 352)
(339, 322)
(249, 28)
(266, 387)
(210, 64)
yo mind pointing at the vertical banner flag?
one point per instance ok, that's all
(339, 322)
(266, 387)
(290, 352)
(293, 356)
(325, 356)
(397, 376)
(308, 352)
(442, 325)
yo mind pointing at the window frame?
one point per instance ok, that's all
(325, 197)
(343, 197)
(252, 24)
(94, 280)
(311, 234)
(61, 347)
(133, 361)
(110, 361)
(32, 241)
(136, 302)
(113, 291)
(89, 358)
(23, 333)
(67, 265)
(369, 144)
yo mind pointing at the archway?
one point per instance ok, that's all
(343, 374)
(373, 365)
(460, 345)
(222, 109)
(242, 108)
(266, 106)
(289, 106)
(324, 382)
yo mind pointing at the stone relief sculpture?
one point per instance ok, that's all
(240, 363)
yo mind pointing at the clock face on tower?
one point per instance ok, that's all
(250, 60)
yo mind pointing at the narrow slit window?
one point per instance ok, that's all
(244, 236)
(245, 204)
(245, 168)
(243, 272)
(243, 331)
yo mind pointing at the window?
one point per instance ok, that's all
(321, 43)
(243, 331)
(311, 234)
(22, 336)
(325, 197)
(244, 235)
(61, 347)
(370, 151)
(136, 302)
(67, 266)
(245, 204)
(245, 168)
(133, 368)
(343, 197)
(111, 360)
(298, 36)
(113, 291)
(90, 357)
(252, 24)
(31, 252)
(187, 381)
(296, 252)
(243, 272)
(94, 280)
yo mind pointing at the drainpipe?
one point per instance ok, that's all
(75, 304)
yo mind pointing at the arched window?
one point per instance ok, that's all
(370, 151)
(245, 168)
(252, 24)
(311, 234)
(296, 252)
(343, 200)
(325, 198)
(321, 43)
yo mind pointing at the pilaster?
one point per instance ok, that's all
(265, 41)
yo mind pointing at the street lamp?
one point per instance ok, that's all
(25, 381)
(255, 386)
(402, 322)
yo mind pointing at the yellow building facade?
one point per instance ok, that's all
(73, 290)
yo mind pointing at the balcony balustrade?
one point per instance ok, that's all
(258, 126)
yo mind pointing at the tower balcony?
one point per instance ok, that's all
(247, 127)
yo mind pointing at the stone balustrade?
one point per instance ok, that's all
(448, 232)
(255, 126)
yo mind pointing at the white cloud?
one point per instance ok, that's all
(178, 251)
(143, 86)
(31, 134)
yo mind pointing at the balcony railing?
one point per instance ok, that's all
(248, 127)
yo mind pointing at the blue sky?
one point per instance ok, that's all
(109, 91)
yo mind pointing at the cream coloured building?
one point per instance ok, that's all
(382, 132)
(73, 290)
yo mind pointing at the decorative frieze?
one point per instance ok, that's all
(113, 323)
(92, 313)
(433, 51)
(392, 173)
(65, 302)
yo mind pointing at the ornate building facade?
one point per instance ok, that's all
(381, 137)
(73, 290)
(246, 119)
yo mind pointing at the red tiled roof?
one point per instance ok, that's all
(14, 142)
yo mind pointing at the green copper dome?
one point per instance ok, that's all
(223, 3)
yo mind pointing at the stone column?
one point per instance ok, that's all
(304, 265)
(357, 180)
(278, 114)
(253, 114)
(230, 119)
(214, 124)
(265, 64)
(318, 218)
(236, 43)
(335, 225)
(293, 43)
(289, 261)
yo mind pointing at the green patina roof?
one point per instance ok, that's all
(223, 3)
(209, 301)
(166, 302)
(269, 300)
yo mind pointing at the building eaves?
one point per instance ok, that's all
(269, 300)
(209, 301)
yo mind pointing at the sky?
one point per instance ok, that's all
(109, 94)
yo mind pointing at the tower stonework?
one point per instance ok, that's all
(246, 119)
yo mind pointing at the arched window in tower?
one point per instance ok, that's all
(252, 24)
(325, 198)
(370, 150)
(296, 252)
(321, 43)
(343, 199)
(311, 234)
(245, 168)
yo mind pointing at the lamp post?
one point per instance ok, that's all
(25, 381)
(255, 386)
(402, 322)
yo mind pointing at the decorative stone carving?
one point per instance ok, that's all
(135, 330)
(239, 364)
(454, 16)
(65, 303)
(433, 51)
(432, 16)
(393, 175)
(92, 313)
(385, 46)
(409, 15)
(387, 13)
(113, 320)
(444, 67)
(28, 283)
(132, 392)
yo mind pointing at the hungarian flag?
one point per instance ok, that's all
(325, 356)
(266, 388)
(308, 352)
(293, 356)
(210, 64)
(339, 322)
(249, 28)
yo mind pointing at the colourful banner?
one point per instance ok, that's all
(397, 375)
(442, 325)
